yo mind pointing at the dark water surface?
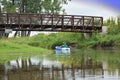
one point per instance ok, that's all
(79, 65)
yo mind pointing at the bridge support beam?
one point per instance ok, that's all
(3, 34)
(25, 33)
(22, 33)
(29, 32)
(87, 35)
(15, 33)
(6, 35)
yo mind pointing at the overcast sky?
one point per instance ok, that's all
(105, 8)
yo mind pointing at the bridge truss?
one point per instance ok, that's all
(48, 22)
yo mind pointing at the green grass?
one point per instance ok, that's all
(41, 43)
(12, 46)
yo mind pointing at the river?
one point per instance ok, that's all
(79, 65)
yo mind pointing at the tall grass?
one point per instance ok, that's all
(42, 42)
(18, 45)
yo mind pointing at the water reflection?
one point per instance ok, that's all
(89, 68)
(48, 70)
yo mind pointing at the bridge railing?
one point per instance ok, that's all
(72, 22)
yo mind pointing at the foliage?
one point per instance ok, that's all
(8, 6)
(54, 39)
(34, 6)
(10, 46)
(113, 25)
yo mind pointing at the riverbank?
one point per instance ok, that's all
(45, 42)
(13, 48)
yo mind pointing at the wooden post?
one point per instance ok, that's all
(63, 74)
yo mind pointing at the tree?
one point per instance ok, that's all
(118, 21)
(113, 25)
(45, 6)
(8, 6)
(34, 6)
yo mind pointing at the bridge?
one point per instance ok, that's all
(48, 22)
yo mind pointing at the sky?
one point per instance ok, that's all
(104, 8)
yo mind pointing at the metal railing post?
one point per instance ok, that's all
(62, 22)
(93, 26)
(52, 21)
(83, 23)
(72, 23)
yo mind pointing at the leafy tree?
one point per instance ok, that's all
(8, 6)
(113, 25)
(34, 6)
(118, 21)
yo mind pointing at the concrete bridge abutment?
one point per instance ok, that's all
(87, 35)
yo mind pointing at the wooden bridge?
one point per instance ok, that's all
(47, 22)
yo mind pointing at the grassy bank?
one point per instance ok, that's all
(43, 42)
(51, 40)
(13, 48)
(17, 45)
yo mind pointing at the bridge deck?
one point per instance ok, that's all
(46, 22)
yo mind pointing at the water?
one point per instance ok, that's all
(79, 65)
